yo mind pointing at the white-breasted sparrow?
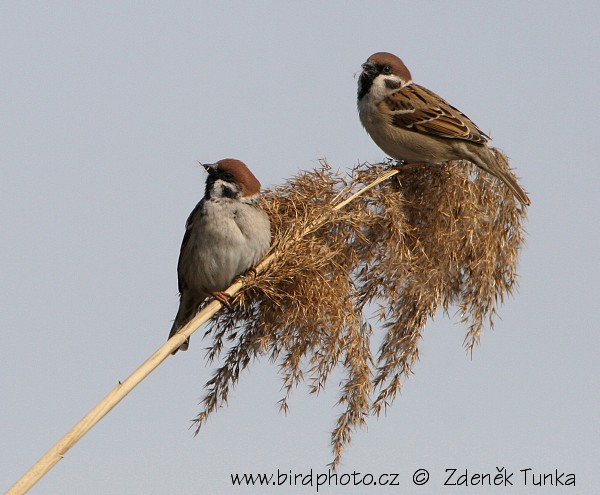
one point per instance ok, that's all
(226, 234)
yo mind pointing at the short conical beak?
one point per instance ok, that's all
(369, 67)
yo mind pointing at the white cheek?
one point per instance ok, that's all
(379, 90)
(218, 188)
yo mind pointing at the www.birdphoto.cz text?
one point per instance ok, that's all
(317, 480)
(451, 477)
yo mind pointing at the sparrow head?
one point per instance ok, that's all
(230, 178)
(383, 73)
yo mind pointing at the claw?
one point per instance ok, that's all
(222, 297)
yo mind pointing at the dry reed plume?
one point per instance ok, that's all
(429, 238)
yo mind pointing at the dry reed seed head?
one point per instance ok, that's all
(426, 240)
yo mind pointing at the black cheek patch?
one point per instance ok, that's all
(230, 192)
(389, 84)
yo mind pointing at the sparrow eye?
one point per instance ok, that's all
(386, 69)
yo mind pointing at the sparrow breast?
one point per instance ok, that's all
(230, 238)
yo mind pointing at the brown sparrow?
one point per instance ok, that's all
(413, 124)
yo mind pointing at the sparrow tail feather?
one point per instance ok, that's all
(491, 165)
(184, 313)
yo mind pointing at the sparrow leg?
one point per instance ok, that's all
(222, 297)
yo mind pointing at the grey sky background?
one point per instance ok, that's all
(106, 108)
